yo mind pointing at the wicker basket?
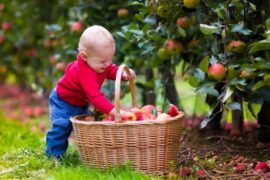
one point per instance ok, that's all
(150, 145)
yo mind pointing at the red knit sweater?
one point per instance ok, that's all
(80, 85)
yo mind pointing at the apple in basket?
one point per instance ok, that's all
(148, 116)
(89, 118)
(128, 116)
(163, 116)
(149, 108)
(173, 110)
(138, 113)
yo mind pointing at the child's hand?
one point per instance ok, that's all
(132, 75)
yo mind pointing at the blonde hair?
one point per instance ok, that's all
(95, 36)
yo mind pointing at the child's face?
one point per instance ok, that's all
(100, 58)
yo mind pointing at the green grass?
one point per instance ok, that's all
(22, 157)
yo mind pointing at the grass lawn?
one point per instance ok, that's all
(22, 157)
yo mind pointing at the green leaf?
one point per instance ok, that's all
(234, 106)
(221, 13)
(204, 64)
(208, 90)
(259, 85)
(240, 29)
(180, 32)
(259, 46)
(207, 30)
(193, 81)
(166, 106)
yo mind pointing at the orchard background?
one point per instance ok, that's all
(220, 48)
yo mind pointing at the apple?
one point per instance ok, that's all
(148, 108)
(261, 167)
(32, 52)
(138, 113)
(163, 116)
(76, 26)
(201, 173)
(217, 71)
(109, 118)
(60, 66)
(185, 171)
(2, 38)
(6, 25)
(128, 116)
(173, 110)
(148, 116)
(173, 46)
(191, 3)
(89, 118)
(163, 11)
(37, 111)
(182, 22)
(164, 54)
(236, 46)
(122, 12)
(246, 74)
(240, 167)
(28, 111)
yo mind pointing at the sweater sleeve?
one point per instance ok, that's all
(111, 72)
(95, 96)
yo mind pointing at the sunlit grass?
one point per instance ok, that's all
(22, 157)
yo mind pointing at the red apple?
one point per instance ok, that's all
(6, 25)
(37, 111)
(60, 66)
(173, 46)
(173, 110)
(217, 71)
(148, 108)
(240, 167)
(182, 22)
(261, 167)
(122, 12)
(185, 171)
(128, 116)
(201, 173)
(28, 111)
(236, 46)
(32, 52)
(138, 113)
(76, 26)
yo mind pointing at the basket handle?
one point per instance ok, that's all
(120, 70)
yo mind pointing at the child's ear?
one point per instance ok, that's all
(83, 55)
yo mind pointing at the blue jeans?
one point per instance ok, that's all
(61, 126)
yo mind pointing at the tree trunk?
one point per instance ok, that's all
(170, 89)
(212, 122)
(264, 121)
(237, 117)
(148, 94)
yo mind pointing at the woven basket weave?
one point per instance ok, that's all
(150, 145)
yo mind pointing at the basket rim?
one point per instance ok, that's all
(128, 123)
